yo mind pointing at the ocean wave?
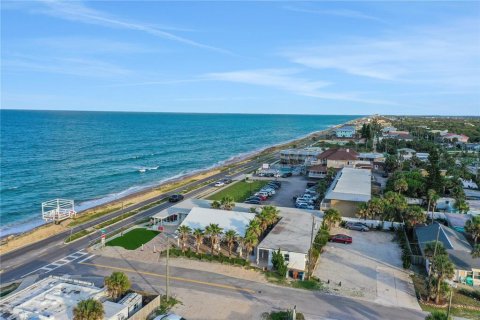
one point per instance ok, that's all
(145, 169)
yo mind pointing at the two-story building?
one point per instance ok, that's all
(337, 158)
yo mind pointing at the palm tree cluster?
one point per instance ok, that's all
(441, 269)
(89, 309)
(226, 203)
(330, 218)
(473, 228)
(264, 220)
(117, 284)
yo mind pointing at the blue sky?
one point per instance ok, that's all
(242, 57)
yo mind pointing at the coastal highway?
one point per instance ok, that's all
(27, 260)
(249, 299)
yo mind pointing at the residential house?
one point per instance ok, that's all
(388, 129)
(292, 236)
(317, 171)
(452, 137)
(350, 188)
(337, 158)
(371, 157)
(345, 132)
(405, 153)
(467, 269)
(398, 135)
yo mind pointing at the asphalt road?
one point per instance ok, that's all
(262, 297)
(16, 264)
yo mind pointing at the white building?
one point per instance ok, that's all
(303, 156)
(350, 188)
(55, 298)
(406, 153)
(371, 157)
(345, 132)
(292, 235)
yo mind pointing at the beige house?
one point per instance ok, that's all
(337, 158)
(350, 188)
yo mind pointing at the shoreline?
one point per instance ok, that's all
(147, 192)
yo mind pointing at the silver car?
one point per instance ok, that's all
(357, 226)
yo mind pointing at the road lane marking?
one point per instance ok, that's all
(224, 286)
(87, 258)
(59, 263)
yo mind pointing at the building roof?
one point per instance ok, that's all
(318, 168)
(112, 309)
(351, 185)
(227, 220)
(457, 246)
(292, 233)
(338, 154)
(371, 155)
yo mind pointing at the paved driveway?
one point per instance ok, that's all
(291, 186)
(370, 268)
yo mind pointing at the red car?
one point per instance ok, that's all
(342, 238)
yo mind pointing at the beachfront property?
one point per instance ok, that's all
(337, 158)
(350, 188)
(371, 157)
(303, 156)
(292, 236)
(345, 132)
(467, 269)
(56, 297)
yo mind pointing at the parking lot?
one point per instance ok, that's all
(291, 186)
(370, 268)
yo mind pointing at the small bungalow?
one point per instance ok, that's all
(467, 269)
(317, 171)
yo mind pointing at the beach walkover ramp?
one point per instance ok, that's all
(58, 210)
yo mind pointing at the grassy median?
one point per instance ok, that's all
(239, 191)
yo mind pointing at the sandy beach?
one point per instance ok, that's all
(17, 241)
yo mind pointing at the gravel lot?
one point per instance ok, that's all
(370, 268)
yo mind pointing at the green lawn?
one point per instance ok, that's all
(133, 239)
(239, 190)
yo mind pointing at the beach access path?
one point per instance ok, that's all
(32, 258)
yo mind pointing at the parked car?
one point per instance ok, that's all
(269, 190)
(227, 180)
(254, 198)
(286, 174)
(357, 226)
(219, 184)
(304, 205)
(311, 184)
(252, 201)
(278, 183)
(341, 238)
(175, 198)
(169, 316)
(262, 193)
(301, 199)
(273, 185)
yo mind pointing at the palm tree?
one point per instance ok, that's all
(249, 241)
(216, 205)
(331, 217)
(432, 199)
(255, 227)
(117, 284)
(400, 185)
(198, 234)
(184, 232)
(264, 218)
(430, 249)
(376, 207)
(476, 251)
(462, 205)
(228, 203)
(443, 269)
(414, 215)
(473, 227)
(213, 231)
(230, 237)
(395, 205)
(363, 211)
(89, 309)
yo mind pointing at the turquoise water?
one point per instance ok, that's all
(92, 157)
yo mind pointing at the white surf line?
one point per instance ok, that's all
(58, 263)
(87, 258)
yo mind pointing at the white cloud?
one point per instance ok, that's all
(284, 79)
(444, 55)
(345, 13)
(77, 11)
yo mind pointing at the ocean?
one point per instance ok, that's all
(93, 157)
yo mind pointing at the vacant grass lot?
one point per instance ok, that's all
(239, 190)
(133, 239)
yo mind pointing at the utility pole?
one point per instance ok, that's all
(311, 247)
(168, 271)
(449, 304)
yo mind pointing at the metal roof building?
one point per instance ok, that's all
(351, 185)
